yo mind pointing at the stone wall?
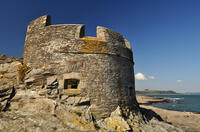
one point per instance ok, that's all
(103, 64)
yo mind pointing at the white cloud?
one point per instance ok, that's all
(140, 76)
(179, 81)
(152, 78)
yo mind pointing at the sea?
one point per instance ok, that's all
(180, 102)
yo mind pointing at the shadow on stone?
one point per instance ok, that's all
(149, 114)
(8, 101)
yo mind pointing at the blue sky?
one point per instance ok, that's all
(165, 34)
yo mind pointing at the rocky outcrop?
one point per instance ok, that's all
(31, 112)
(6, 94)
(8, 79)
(5, 59)
(41, 107)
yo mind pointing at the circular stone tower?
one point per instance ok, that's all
(100, 68)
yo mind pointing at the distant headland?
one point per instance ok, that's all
(147, 91)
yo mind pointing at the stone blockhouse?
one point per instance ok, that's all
(100, 67)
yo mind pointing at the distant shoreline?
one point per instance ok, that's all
(188, 121)
(147, 99)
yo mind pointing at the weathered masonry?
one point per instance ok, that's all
(99, 67)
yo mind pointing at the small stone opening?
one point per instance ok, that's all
(71, 83)
(130, 91)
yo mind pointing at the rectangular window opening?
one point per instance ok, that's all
(71, 83)
(130, 91)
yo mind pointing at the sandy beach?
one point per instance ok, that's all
(188, 121)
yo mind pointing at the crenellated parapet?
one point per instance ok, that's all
(40, 32)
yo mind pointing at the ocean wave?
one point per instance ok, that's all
(175, 99)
